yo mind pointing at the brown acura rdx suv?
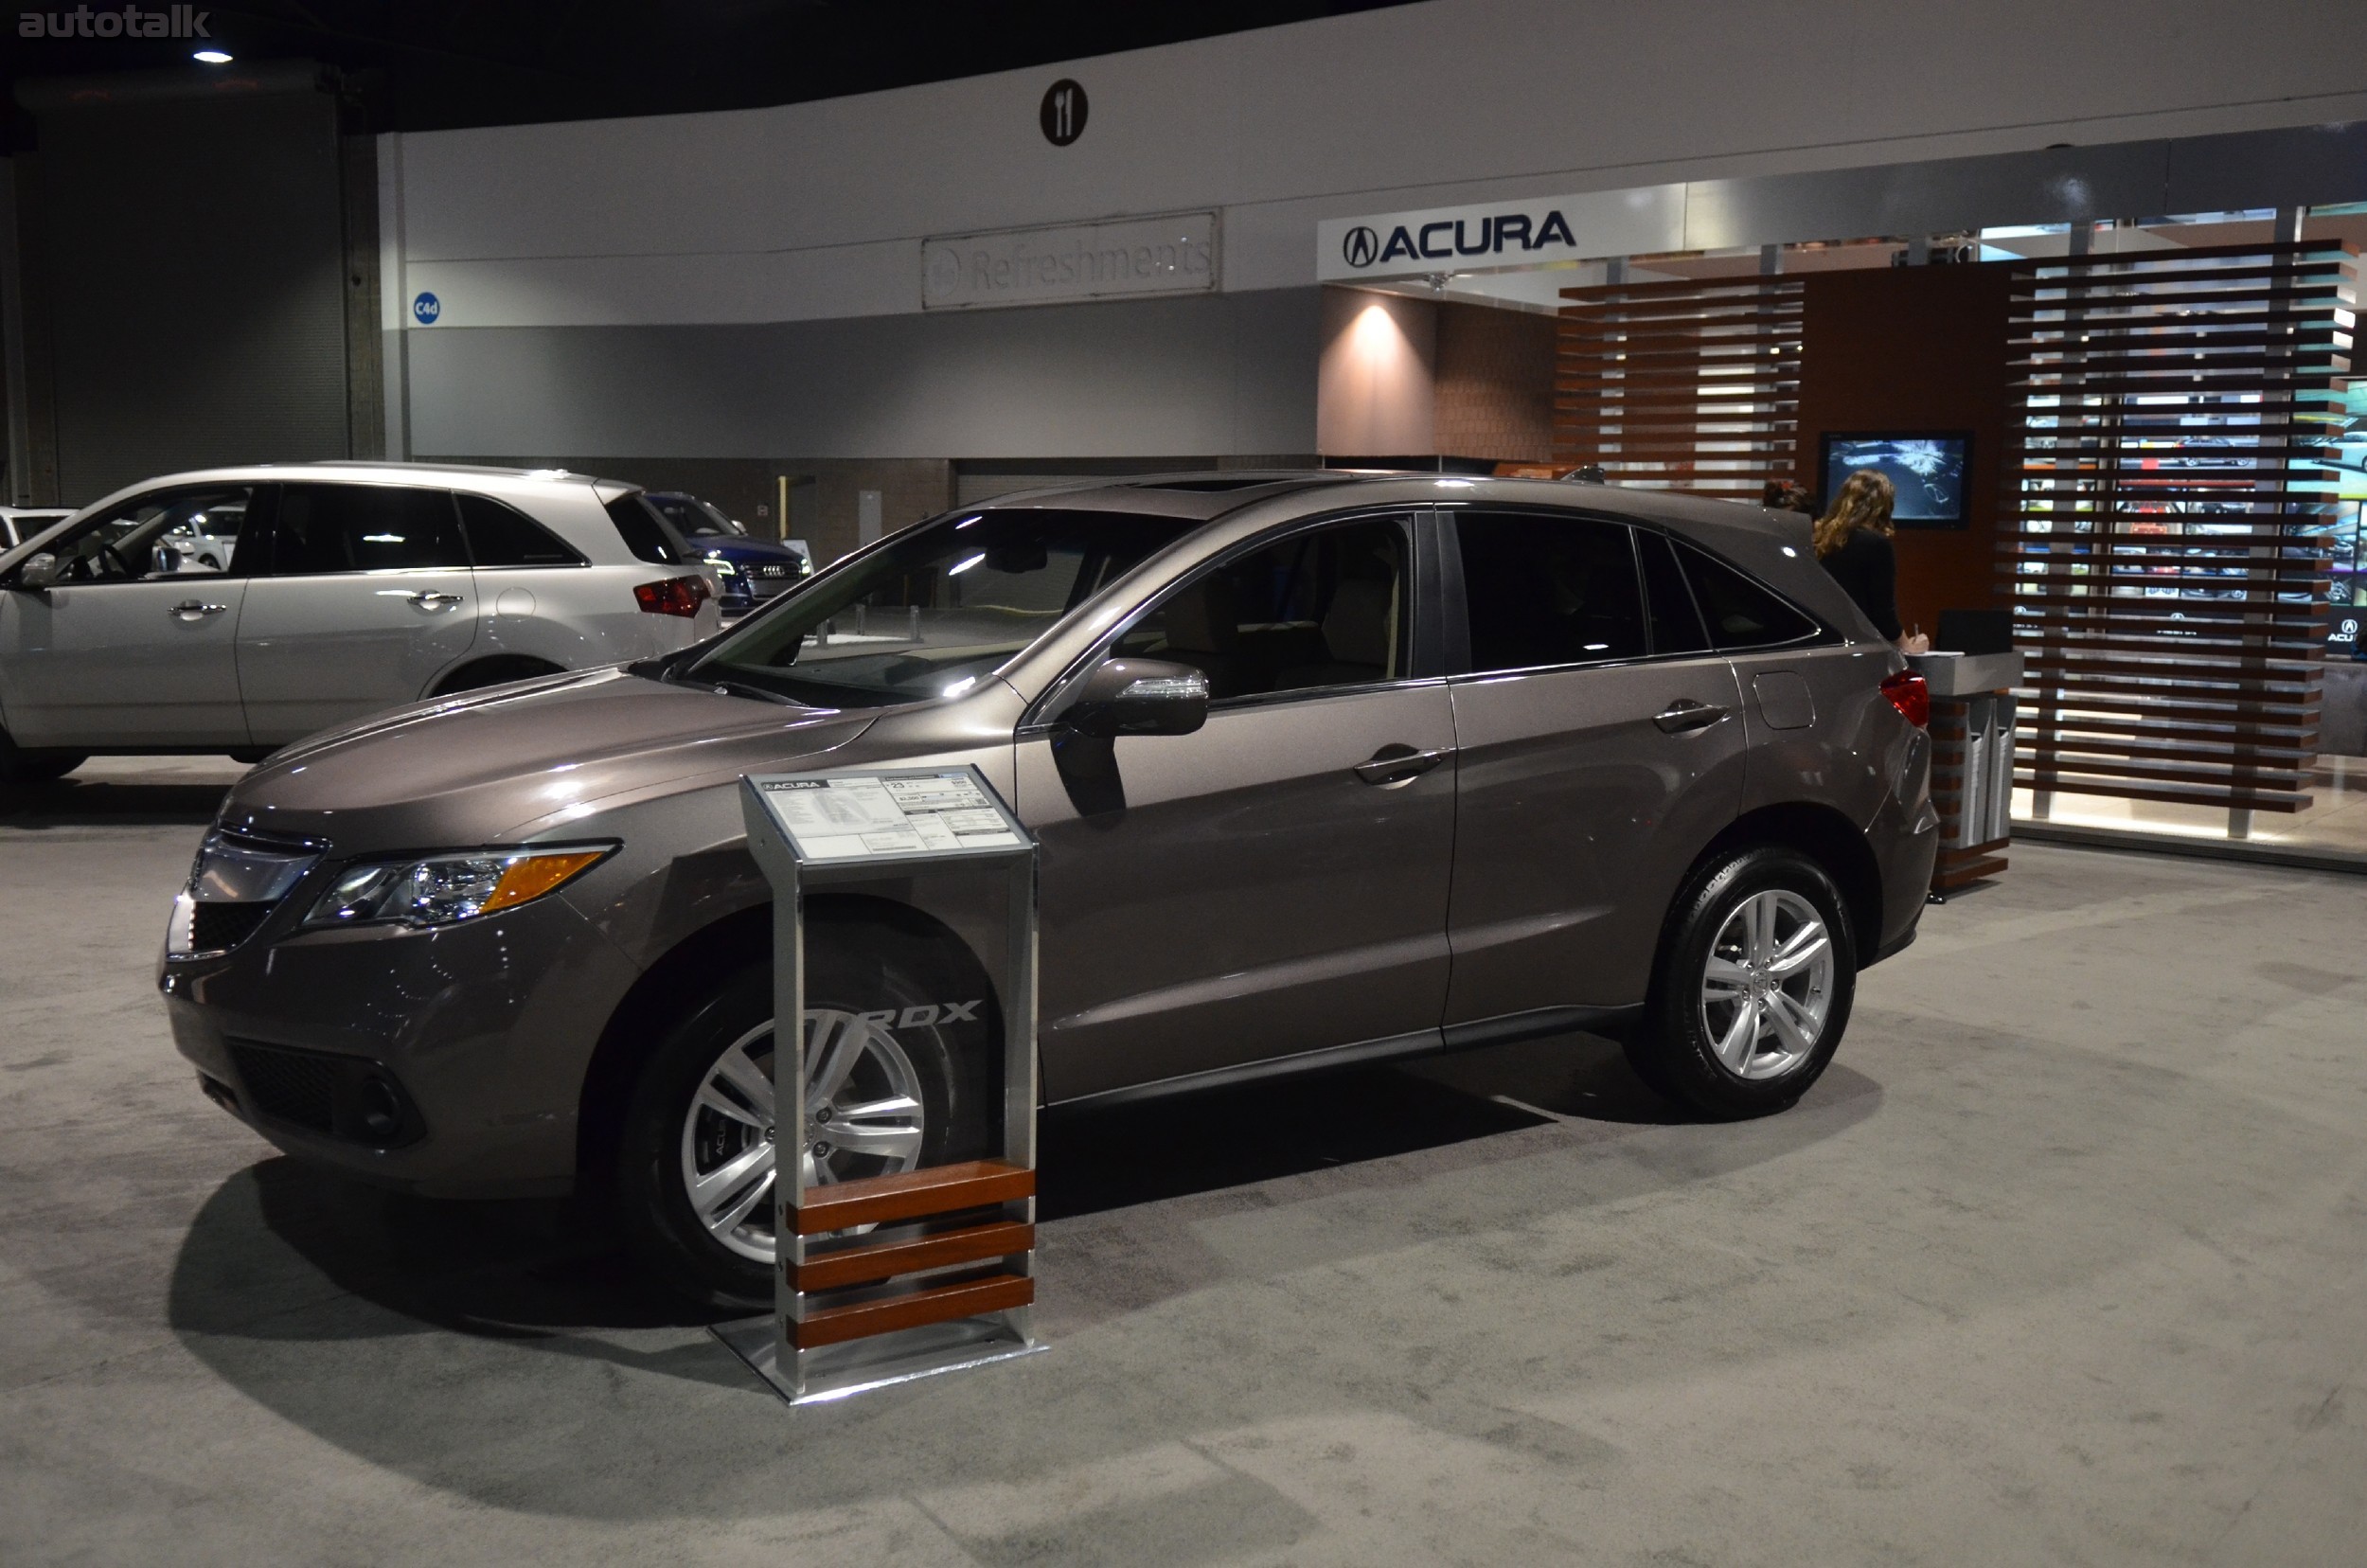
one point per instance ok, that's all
(1325, 767)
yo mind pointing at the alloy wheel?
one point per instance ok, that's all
(864, 1117)
(1768, 988)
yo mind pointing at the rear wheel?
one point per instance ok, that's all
(900, 1072)
(1753, 989)
(493, 672)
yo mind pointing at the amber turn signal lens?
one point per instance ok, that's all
(536, 875)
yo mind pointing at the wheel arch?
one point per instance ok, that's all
(1825, 836)
(656, 1001)
(487, 669)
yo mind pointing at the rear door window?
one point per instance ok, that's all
(332, 530)
(1542, 589)
(1740, 612)
(501, 535)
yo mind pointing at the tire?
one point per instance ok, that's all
(715, 1246)
(19, 766)
(1757, 915)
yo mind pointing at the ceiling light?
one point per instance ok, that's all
(210, 57)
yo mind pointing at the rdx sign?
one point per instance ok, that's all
(1445, 238)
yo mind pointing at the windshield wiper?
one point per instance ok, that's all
(735, 688)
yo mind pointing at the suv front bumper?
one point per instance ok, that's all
(449, 1062)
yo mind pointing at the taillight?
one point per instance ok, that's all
(680, 595)
(1911, 694)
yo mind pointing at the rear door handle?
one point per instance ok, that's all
(428, 598)
(1394, 765)
(1685, 714)
(189, 610)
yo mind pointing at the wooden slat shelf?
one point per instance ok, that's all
(914, 1309)
(867, 1263)
(916, 1194)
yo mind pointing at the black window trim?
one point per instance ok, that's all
(1425, 654)
(1454, 607)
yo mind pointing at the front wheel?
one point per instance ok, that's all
(1753, 988)
(20, 766)
(898, 1075)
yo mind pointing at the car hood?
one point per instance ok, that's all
(479, 768)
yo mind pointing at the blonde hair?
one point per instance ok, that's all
(1862, 502)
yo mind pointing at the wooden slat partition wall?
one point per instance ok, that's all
(2164, 542)
(1690, 386)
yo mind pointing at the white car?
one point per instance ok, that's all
(236, 609)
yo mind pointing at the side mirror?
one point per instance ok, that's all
(1139, 697)
(38, 572)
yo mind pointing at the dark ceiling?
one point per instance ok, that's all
(434, 64)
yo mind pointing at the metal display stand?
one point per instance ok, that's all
(1972, 762)
(884, 1279)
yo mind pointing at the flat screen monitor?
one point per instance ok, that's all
(1929, 472)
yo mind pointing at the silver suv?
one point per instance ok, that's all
(1325, 769)
(236, 609)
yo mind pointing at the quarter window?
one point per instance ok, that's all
(1739, 612)
(1325, 608)
(501, 535)
(1542, 589)
(645, 532)
(322, 529)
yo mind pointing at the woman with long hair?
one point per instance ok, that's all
(1853, 539)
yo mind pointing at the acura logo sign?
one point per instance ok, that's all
(1468, 235)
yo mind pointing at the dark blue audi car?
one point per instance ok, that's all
(748, 570)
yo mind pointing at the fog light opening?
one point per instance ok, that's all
(378, 1110)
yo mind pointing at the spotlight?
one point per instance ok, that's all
(210, 57)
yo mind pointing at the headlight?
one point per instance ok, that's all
(720, 567)
(438, 890)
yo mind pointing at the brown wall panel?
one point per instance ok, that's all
(1494, 385)
(1915, 348)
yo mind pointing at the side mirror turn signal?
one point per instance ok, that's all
(1139, 697)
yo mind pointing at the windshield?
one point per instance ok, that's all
(696, 519)
(942, 605)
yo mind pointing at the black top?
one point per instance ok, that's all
(1867, 569)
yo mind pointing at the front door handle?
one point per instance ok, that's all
(190, 610)
(1685, 714)
(428, 598)
(1394, 765)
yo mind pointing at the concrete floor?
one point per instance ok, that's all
(2064, 1262)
